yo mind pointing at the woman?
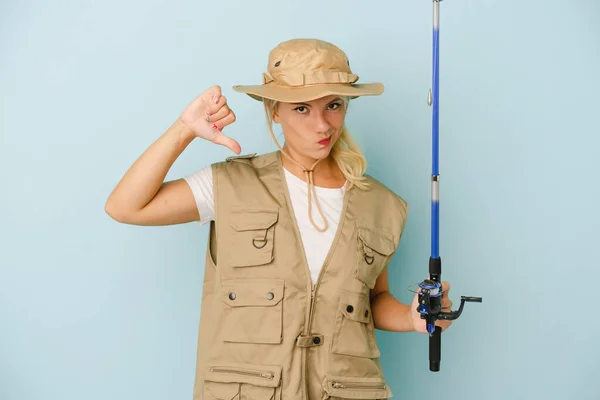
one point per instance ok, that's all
(300, 239)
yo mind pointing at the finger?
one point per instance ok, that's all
(215, 104)
(225, 140)
(446, 301)
(204, 98)
(445, 286)
(220, 114)
(214, 94)
(223, 122)
(447, 306)
(444, 324)
(228, 142)
(445, 289)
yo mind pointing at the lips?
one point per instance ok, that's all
(325, 142)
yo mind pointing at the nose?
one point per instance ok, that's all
(322, 126)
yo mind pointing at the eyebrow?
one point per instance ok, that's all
(308, 105)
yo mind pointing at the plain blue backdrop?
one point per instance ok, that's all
(93, 309)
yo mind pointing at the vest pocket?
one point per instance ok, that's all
(242, 382)
(375, 250)
(347, 387)
(253, 310)
(251, 238)
(354, 332)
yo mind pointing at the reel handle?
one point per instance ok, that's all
(452, 315)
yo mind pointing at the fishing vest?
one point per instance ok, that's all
(266, 331)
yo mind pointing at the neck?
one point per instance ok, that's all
(325, 174)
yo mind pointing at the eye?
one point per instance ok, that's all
(334, 106)
(300, 109)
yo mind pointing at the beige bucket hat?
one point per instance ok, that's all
(302, 70)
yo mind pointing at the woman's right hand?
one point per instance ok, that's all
(207, 115)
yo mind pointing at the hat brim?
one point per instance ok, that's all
(307, 93)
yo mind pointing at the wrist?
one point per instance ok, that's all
(409, 319)
(184, 133)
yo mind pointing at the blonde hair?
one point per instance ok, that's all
(345, 152)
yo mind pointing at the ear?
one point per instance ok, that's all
(275, 116)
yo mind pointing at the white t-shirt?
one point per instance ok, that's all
(316, 244)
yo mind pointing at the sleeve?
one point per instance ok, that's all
(201, 183)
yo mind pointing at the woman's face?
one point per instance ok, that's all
(312, 128)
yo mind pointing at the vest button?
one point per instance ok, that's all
(231, 296)
(316, 340)
(270, 296)
(349, 308)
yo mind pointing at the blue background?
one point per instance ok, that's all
(92, 309)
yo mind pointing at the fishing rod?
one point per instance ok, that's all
(430, 293)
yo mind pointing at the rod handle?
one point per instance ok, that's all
(435, 349)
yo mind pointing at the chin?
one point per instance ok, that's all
(322, 153)
(315, 154)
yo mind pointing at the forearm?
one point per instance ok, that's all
(389, 314)
(144, 178)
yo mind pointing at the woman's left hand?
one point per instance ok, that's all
(420, 324)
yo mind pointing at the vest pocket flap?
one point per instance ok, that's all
(251, 220)
(347, 387)
(221, 391)
(250, 236)
(252, 292)
(379, 241)
(355, 307)
(268, 376)
(353, 332)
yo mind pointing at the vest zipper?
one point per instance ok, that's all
(360, 385)
(230, 370)
(315, 286)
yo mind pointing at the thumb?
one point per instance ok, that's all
(228, 142)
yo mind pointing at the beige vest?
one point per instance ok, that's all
(266, 332)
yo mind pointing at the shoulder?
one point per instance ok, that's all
(249, 171)
(381, 193)
(243, 161)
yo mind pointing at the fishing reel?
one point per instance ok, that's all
(430, 304)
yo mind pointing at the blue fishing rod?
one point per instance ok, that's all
(430, 293)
